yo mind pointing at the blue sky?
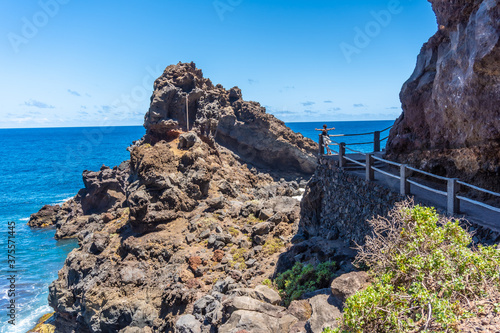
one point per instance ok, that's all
(92, 63)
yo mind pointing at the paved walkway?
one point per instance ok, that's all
(470, 212)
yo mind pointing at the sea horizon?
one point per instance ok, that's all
(105, 126)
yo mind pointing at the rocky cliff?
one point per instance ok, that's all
(193, 215)
(451, 104)
(180, 237)
(244, 127)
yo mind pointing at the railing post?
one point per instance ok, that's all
(376, 141)
(404, 186)
(321, 147)
(453, 201)
(341, 154)
(370, 173)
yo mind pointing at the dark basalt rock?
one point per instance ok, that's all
(244, 127)
(45, 217)
(451, 104)
(156, 234)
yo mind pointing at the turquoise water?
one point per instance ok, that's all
(44, 166)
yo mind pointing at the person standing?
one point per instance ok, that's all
(326, 138)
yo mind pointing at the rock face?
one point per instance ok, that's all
(104, 191)
(451, 104)
(45, 217)
(188, 224)
(193, 215)
(244, 127)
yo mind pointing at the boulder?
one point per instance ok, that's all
(348, 284)
(208, 309)
(257, 322)
(324, 314)
(187, 140)
(187, 324)
(260, 293)
(246, 303)
(301, 310)
(261, 229)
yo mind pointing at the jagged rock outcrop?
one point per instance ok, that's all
(104, 191)
(46, 216)
(244, 127)
(451, 104)
(192, 216)
(189, 213)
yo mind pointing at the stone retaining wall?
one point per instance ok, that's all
(338, 204)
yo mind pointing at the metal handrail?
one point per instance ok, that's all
(452, 192)
(386, 129)
(474, 202)
(426, 173)
(355, 151)
(386, 161)
(385, 173)
(478, 188)
(359, 143)
(353, 134)
(354, 161)
(453, 185)
(427, 187)
(359, 134)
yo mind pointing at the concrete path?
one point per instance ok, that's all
(470, 212)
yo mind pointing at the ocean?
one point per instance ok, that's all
(39, 167)
(347, 127)
(44, 166)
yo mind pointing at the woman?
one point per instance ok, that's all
(326, 138)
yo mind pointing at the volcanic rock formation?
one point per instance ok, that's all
(244, 127)
(185, 224)
(191, 224)
(451, 104)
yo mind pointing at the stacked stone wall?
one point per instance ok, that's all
(338, 204)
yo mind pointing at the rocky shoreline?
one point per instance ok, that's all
(190, 224)
(185, 236)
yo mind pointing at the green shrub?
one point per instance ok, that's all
(253, 220)
(425, 271)
(302, 279)
(238, 258)
(272, 246)
(267, 283)
(233, 231)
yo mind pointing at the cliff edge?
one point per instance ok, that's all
(451, 104)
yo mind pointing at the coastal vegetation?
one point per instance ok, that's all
(272, 246)
(427, 275)
(238, 258)
(295, 282)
